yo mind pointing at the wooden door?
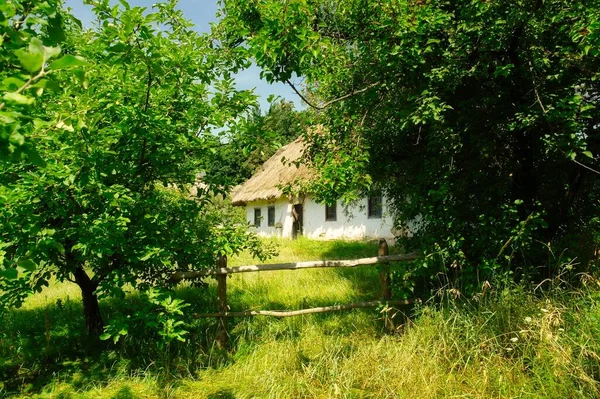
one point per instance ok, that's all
(298, 225)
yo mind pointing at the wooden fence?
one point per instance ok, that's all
(222, 271)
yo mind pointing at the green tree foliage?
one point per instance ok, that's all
(479, 119)
(120, 140)
(30, 33)
(240, 151)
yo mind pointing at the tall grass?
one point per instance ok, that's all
(512, 343)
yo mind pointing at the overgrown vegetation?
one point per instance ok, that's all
(509, 343)
(104, 201)
(478, 119)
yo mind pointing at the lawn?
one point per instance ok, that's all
(509, 344)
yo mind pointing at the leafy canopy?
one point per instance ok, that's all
(478, 119)
(241, 150)
(120, 145)
(30, 34)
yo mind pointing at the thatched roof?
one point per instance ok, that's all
(278, 171)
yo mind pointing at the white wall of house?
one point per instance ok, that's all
(283, 217)
(350, 223)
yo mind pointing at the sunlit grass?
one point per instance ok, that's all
(54, 292)
(514, 345)
(510, 344)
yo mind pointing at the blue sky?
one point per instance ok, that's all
(202, 13)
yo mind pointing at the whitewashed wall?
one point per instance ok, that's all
(353, 224)
(283, 216)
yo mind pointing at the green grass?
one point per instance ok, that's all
(509, 344)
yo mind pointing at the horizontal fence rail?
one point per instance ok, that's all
(376, 260)
(322, 309)
(222, 271)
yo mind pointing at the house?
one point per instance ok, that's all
(273, 213)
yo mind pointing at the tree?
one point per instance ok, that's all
(478, 119)
(121, 146)
(240, 151)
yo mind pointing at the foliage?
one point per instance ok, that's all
(244, 148)
(161, 315)
(122, 148)
(478, 119)
(162, 318)
(30, 60)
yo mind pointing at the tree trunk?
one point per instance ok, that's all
(91, 308)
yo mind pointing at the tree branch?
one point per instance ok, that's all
(32, 79)
(322, 309)
(115, 264)
(585, 166)
(328, 103)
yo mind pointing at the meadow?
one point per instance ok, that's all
(509, 343)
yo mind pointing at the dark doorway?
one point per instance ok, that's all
(298, 215)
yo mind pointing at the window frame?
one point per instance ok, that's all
(271, 216)
(328, 216)
(375, 212)
(257, 217)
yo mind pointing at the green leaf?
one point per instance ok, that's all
(67, 61)
(16, 138)
(27, 264)
(55, 28)
(18, 98)
(76, 21)
(36, 46)
(9, 117)
(588, 154)
(147, 256)
(46, 84)
(32, 62)
(9, 273)
(59, 247)
(35, 158)
(51, 52)
(105, 336)
(12, 83)
(125, 4)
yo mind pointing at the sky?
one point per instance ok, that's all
(202, 13)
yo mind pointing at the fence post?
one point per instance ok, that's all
(385, 281)
(222, 333)
(384, 274)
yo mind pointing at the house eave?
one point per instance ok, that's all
(246, 201)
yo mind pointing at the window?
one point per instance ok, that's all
(374, 207)
(271, 216)
(257, 217)
(331, 212)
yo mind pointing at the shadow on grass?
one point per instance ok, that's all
(124, 393)
(39, 344)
